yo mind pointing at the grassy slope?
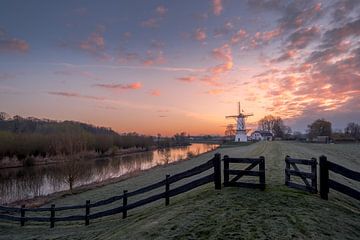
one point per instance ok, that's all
(277, 213)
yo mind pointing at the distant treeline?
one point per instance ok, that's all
(23, 137)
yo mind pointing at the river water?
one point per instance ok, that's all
(28, 182)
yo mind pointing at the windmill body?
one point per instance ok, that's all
(240, 125)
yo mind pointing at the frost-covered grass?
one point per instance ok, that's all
(231, 213)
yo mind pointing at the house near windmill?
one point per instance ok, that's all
(241, 131)
(261, 136)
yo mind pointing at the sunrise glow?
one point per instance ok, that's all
(170, 66)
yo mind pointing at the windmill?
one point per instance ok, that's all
(240, 127)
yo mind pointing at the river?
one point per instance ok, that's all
(29, 182)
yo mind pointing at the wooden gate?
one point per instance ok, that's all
(291, 162)
(245, 172)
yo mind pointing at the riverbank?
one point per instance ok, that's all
(230, 213)
(41, 200)
(13, 162)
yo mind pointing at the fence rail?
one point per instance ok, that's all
(291, 162)
(215, 177)
(326, 183)
(245, 172)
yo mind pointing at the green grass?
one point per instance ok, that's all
(231, 213)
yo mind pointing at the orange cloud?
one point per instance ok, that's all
(215, 91)
(130, 86)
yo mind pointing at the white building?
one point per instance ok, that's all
(261, 136)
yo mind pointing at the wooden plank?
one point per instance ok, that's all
(194, 171)
(344, 189)
(145, 201)
(191, 185)
(300, 187)
(246, 185)
(9, 209)
(147, 188)
(244, 172)
(300, 174)
(344, 171)
(300, 161)
(106, 213)
(324, 177)
(243, 160)
(303, 178)
(251, 166)
(106, 201)
(10, 218)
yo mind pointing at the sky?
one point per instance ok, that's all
(170, 66)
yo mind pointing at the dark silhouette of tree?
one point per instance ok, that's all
(353, 130)
(320, 127)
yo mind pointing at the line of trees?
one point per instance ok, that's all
(24, 137)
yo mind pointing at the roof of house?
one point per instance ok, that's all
(264, 133)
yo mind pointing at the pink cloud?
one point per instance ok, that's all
(154, 57)
(130, 86)
(217, 7)
(155, 93)
(187, 79)
(75, 95)
(237, 37)
(200, 35)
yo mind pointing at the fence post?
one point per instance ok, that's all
(124, 204)
(52, 216)
(22, 212)
(324, 177)
(226, 170)
(314, 172)
(262, 172)
(287, 167)
(217, 170)
(167, 189)
(87, 212)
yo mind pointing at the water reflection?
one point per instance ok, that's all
(23, 183)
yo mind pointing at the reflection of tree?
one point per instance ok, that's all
(165, 154)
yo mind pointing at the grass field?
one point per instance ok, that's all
(231, 213)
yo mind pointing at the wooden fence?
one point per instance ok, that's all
(291, 162)
(326, 183)
(215, 177)
(245, 172)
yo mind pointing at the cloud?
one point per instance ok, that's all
(93, 45)
(223, 54)
(200, 35)
(217, 7)
(77, 72)
(224, 30)
(161, 10)
(10, 44)
(155, 93)
(342, 9)
(154, 57)
(150, 22)
(215, 91)
(187, 79)
(238, 36)
(6, 76)
(130, 86)
(75, 95)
